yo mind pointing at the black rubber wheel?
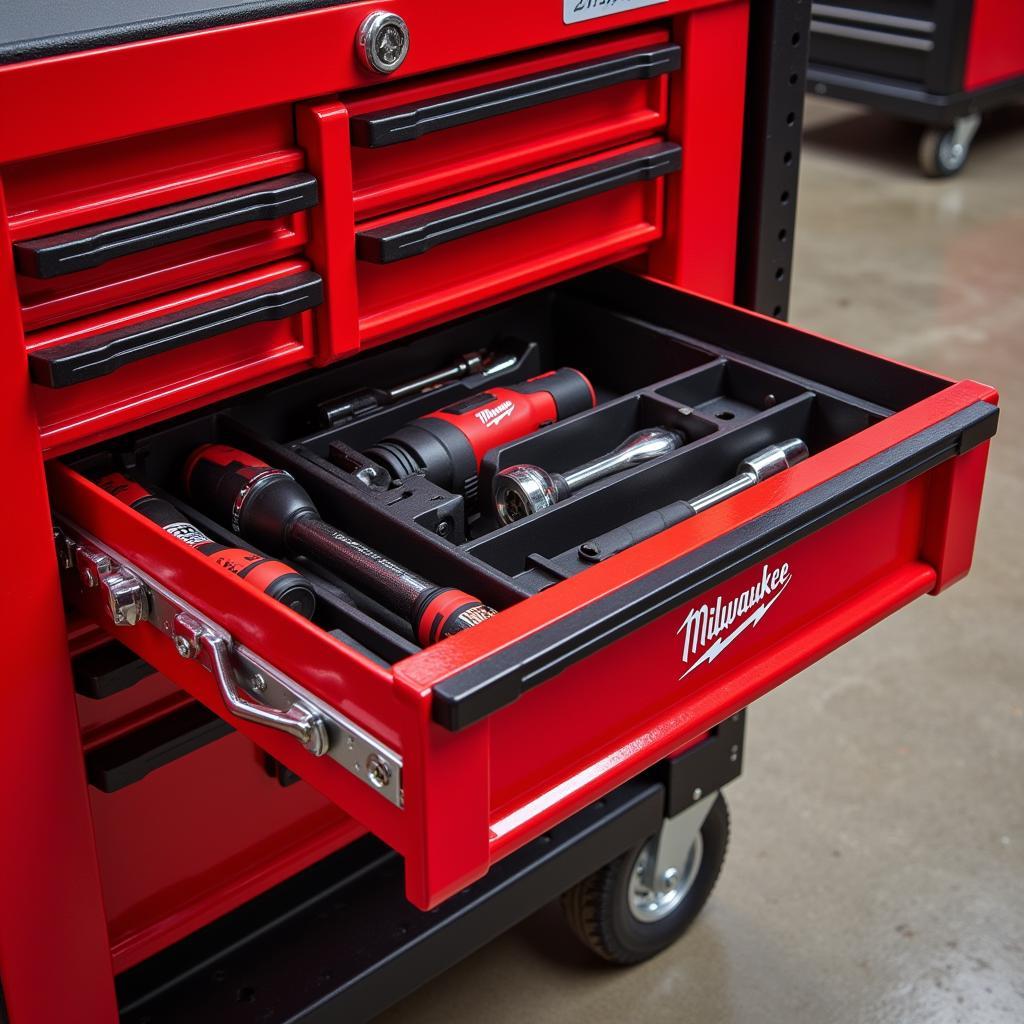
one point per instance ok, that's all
(599, 910)
(940, 155)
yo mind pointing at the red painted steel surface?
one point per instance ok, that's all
(191, 149)
(479, 269)
(52, 907)
(61, 102)
(698, 249)
(995, 50)
(78, 159)
(200, 836)
(200, 372)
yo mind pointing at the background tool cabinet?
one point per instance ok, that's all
(214, 221)
(940, 63)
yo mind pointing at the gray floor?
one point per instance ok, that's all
(876, 870)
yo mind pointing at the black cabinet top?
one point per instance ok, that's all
(43, 28)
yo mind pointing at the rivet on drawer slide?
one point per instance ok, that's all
(252, 689)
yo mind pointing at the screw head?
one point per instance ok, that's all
(259, 684)
(444, 527)
(589, 550)
(377, 771)
(697, 794)
(383, 42)
(182, 646)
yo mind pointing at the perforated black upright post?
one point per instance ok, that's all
(776, 70)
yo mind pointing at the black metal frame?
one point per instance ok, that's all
(776, 70)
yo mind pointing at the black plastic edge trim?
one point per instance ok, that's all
(339, 941)
(901, 99)
(132, 756)
(92, 246)
(108, 669)
(75, 362)
(705, 767)
(412, 121)
(474, 693)
(400, 239)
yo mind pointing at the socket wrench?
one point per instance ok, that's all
(752, 470)
(523, 490)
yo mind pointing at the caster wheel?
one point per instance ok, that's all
(942, 153)
(625, 916)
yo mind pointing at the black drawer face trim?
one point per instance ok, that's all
(414, 120)
(75, 362)
(878, 18)
(472, 694)
(400, 239)
(131, 757)
(96, 244)
(108, 669)
(870, 35)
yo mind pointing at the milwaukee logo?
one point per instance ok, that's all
(495, 414)
(709, 629)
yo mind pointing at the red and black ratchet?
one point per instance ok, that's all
(268, 507)
(448, 445)
(275, 579)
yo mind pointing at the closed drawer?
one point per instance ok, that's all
(439, 260)
(136, 361)
(413, 143)
(71, 273)
(593, 668)
(99, 227)
(901, 40)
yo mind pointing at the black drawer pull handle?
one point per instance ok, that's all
(406, 123)
(96, 244)
(77, 361)
(400, 239)
(130, 757)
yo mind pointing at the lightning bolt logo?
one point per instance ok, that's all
(722, 642)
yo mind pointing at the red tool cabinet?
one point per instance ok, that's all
(215, 219)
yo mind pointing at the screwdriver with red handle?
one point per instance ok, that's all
(274, 578)
(272, 510)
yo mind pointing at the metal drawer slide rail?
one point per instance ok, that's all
(251, 688)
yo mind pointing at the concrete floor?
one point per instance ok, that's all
(876, 869)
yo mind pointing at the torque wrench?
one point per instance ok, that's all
(271, 509)
(521, 491)
(274, 578)
(752, 470)
(448, 445)
(367, 400)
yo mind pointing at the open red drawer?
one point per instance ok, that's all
(457, 754)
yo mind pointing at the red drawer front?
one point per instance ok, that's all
(200, 836)
(414, 143)
(152, 381)
(160, 270)
(399, 291)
